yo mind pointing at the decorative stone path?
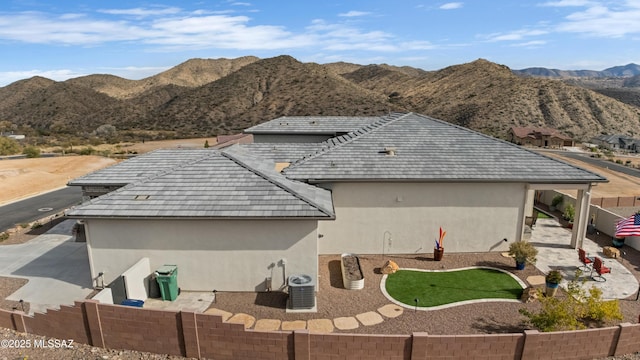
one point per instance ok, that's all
(319, 326)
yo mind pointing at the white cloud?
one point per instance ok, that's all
(598, 20)
(451, 6)
(531, 44)
(141, 11)
(354, 14)
(566, 3)
(515, 35)
(8, 77)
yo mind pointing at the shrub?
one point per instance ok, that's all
(31, 152)
(553, 277)
(523, 251)
(579, 310)
(8, 146)
(4, 236)
(557, 200)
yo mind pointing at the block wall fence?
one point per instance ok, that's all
(207, 336)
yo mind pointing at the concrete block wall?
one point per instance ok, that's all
(125, 327)
(357, 346)
(61, 324)
(207, 336)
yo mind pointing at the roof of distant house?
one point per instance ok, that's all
(413, 147)
(536, 133)
(317, 125)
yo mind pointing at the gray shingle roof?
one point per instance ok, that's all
(312, 125)
(282, 152)
(427, 149)
(218, 185)
(141, 167)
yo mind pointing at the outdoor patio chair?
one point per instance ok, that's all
(600, 269)
(586, 261)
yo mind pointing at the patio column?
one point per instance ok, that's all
(581, 219)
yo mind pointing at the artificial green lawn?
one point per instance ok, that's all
(446, 287)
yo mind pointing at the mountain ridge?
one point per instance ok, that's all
(204, 97)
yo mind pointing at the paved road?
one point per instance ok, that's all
(601, 163)
(38, 206)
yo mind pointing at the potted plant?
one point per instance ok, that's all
(555, 202)
(438, 250)
(552, 280)
(523, 252)
(569, 214)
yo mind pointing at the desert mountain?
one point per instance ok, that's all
(616, 71)
(204, 97)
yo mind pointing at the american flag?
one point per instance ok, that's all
(628, 227)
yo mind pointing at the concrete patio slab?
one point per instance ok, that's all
(294, 325)
(370, 318)
(56, 266)
(213, 311)
(346, 323)
(555, 253)
(391, 310)
(320, 326)
(241, 318)
(267, 325)
(186, 301)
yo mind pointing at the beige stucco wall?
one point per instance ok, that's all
(225, 255)
(477, 217)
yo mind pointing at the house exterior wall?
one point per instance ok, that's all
(225, 255)
(290, 138)
(404, 218)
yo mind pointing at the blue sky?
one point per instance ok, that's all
(134, 39)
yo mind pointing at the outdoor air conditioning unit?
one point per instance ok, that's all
(302, 292)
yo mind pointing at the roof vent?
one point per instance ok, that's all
(390, 151)
(142, 197)
(313, 122)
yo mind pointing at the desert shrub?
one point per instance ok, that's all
(578, 310)
(87, 151)
(31, 152)
(8, 146)
(36, 225)
(4, 236)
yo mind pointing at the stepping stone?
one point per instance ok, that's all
(322, 326)
(536, 280)
(370, 318)
(391, 310)
(294, 325)
(506, 254)
(346, 323)
(213, 311)
(267, 325)
(241, 318)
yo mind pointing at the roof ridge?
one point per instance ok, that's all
(276, 182)
(351, 136)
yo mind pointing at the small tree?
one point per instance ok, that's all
(206, 144)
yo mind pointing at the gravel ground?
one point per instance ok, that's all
(334, 301)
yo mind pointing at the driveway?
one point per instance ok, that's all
(56, 266)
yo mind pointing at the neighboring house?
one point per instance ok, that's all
(232, 218)
(617, 143)
(539, 137)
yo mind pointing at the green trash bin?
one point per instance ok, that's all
(167, 277)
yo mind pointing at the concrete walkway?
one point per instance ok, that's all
(57, 269)
(555, 253)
